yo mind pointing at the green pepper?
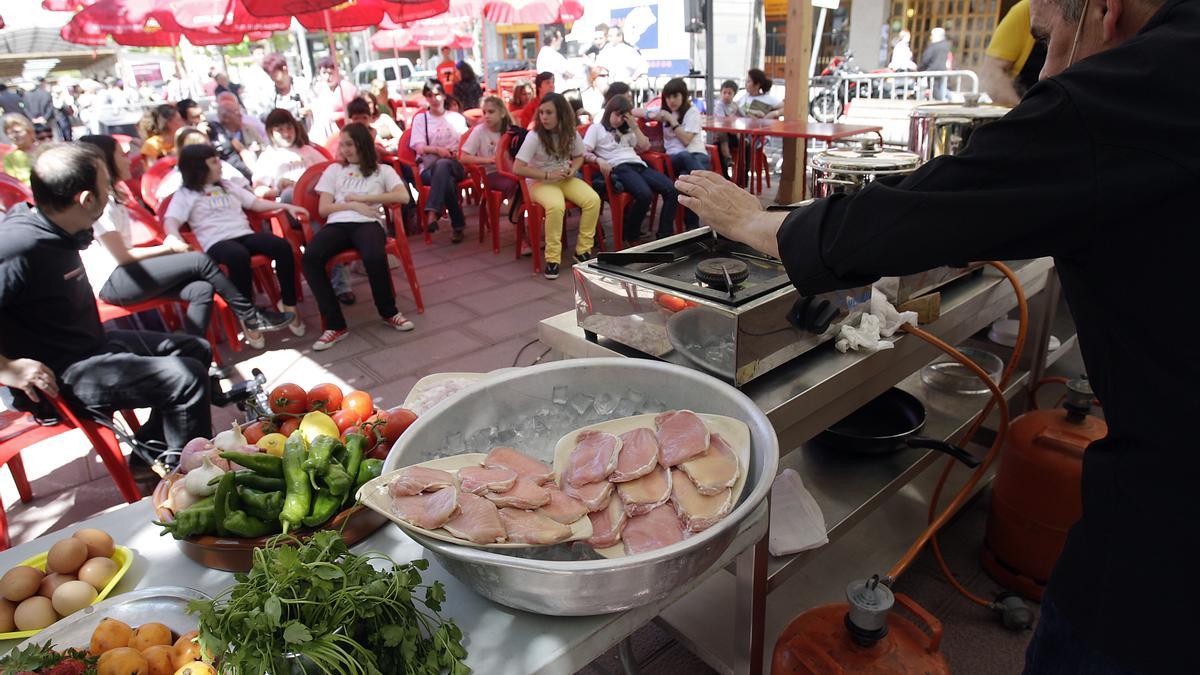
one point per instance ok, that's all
(320, 454)
(298, 500)
(338, 481)
(265, 505)
(241, 524)
(221, 501)
(371, 468)
(261, 462)
(253, 480)
(325, 506)
(197, 519)
(354, 456)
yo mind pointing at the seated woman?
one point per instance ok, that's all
(174, 180)
(157, 128)
(613, 143)
(19, 162)
(379, 90)
(351, 194)
(213, 209)
(550, 157)
(467, 89)
(522, 93)
(124, 275)
(435, 136)
(757, 100)
(480, 147)
(281, 165)
(683, 135)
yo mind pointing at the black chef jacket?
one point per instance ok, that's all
(1100, 168)
(47, 309)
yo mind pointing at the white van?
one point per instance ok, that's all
(393, 71)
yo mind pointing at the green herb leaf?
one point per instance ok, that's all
(273, 609)
(296, 633)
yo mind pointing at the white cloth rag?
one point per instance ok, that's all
(797, 523)
(880, 321)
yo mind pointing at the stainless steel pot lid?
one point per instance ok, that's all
(963, 110)
(866, 159)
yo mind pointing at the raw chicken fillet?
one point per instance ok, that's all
(478, 480)
(638, 456)
(414, 480)
(715, 470)
(525, 494)
(594, 457)
(509, 458)
(697, 511)
(594, 496)
(607, 524)
(562, 508)
(643, 494)
(430, 510)
(527, 527)
(682, 435)
(477, 520)
(652, 531)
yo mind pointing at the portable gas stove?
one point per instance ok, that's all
(707, 302)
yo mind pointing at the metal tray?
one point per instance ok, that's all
(531, 409)
(161, 604)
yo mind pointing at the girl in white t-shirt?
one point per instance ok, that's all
(683, 136)
(352, 194)
(124, 275)
(480, 148)
(213, 208)
(550, 156)
(757, 100)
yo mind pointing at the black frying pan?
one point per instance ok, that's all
(888, 423)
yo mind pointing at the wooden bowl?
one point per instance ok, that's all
(233, 554)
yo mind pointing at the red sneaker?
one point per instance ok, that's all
(330, 338)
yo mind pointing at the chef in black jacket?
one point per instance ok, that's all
(50, 331)
(1099, 167)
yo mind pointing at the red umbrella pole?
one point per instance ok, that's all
(332, 48)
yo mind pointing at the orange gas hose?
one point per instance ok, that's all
(1053, 379)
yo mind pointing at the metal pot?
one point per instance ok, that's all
(937, 129)
(531, 408)
(851, 169)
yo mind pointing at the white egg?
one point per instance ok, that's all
(73, 596)
(98, 572)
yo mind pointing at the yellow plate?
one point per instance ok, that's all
(121, 555)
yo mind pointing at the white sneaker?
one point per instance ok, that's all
(329, 338)
(298, 329)
(259, 342)
(400, 323)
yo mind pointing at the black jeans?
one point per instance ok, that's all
(235, 255)
(442, 178)
(1055, 649)
(685, 163)
(368, 239)
(165, 372)
(641, 183)
(190, 277)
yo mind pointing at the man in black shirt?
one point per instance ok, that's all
(1098, 167)
(50, 331)
(237, 144)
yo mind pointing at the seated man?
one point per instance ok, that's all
(51, 339)
(236, 144)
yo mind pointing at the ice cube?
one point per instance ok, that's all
(626, 408)
(635, 396)
(653, 406)
(455, 444)
(481, 440)
(580, 403)
(605, 403)
(560, 394)
(505, 436)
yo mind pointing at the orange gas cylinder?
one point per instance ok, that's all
(1036, 494)
(861, 636)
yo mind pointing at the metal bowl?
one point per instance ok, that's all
(530, 409)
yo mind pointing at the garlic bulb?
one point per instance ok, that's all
(197, 481)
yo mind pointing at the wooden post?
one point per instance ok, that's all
(798, 46)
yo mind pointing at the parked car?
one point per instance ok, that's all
(393, 71)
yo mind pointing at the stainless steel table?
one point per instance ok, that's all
(819, 388)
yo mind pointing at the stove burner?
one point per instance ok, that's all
(721, 272)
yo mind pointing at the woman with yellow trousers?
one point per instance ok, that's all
(550, 157)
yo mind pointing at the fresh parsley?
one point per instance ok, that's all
(39, 658)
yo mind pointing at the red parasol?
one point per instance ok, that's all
(439, 31)
(135, 23)
(520, 11)
(401, 11)
(229, 16)
(65, 5)
(274, 8)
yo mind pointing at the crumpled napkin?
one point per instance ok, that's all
(881, 320)
(797, 523)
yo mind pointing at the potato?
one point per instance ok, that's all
(122, 661)
(110, 634)
(150, 635)
(99, 543)
(196, 668)
(160, 660)
(67, 556)
(187, 649)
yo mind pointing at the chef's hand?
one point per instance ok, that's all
(729, 210)
(29, 376)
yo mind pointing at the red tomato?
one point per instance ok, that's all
(397, 421)
(288, 398)
(370, 428)
(344, 419)
(289, 425)
(360, 402)
(325, 397)
(256, 431)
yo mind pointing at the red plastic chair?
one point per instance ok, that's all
(153, 178)
(13, 192)
(405, 156)
(305, 195)
(473, 115)
(324, 153)
(19, 430)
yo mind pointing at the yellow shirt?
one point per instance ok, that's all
(1012, 40)
(157, 146)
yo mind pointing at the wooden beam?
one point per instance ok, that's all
(798, 51)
